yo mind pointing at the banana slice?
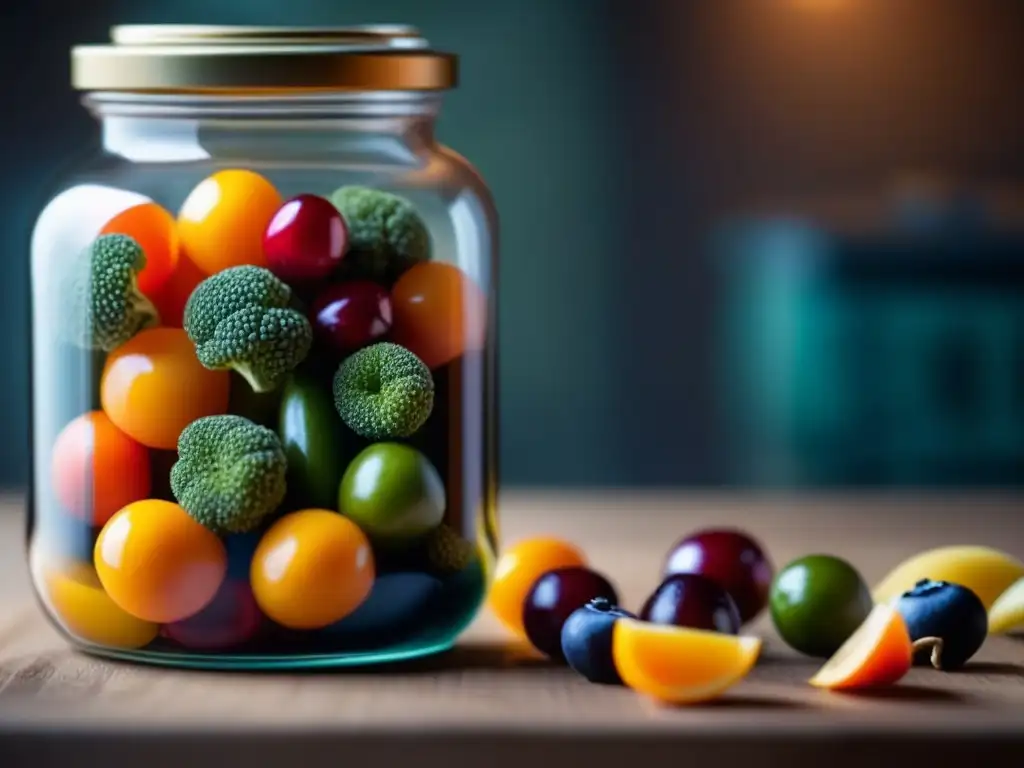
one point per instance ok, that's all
(985, 571)
(1007, 612)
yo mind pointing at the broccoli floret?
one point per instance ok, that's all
(240, 319)
(230, 473)
(385, 233)
(447, 552)
(383, 391)
(103, 302)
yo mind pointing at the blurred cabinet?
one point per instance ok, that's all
(886, 353)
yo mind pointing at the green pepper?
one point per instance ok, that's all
(315, 443)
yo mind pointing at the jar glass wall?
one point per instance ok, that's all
(263, 416)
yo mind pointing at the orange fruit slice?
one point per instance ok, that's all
(679, 665)
(878, 653)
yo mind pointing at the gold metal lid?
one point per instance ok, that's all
(199, 59)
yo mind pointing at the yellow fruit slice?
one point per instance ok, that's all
(985, 571)
(677, 665)
(1007, 612)
(878, 653)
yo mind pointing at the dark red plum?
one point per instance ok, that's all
(351, 315)
(691, 600)
(553, 599)
(731, 558)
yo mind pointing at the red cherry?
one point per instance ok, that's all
(350, 315)
(305, 240)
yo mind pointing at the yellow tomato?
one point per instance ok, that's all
(157, 563)
(311, 569)
(154, 386)
(76, 597)
(222, 221)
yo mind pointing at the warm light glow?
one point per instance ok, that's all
(820, 5)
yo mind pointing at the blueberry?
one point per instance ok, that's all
(947, 611)
(587, 640)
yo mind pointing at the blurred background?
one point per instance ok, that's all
(759, 243)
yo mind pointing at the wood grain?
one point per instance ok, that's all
(489, 686)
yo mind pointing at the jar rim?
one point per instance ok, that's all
(177, 58)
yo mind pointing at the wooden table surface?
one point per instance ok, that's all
(492, 696)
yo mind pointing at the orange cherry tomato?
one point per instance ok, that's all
(97, 468)
(439, 313)
(517, 570)
(74, 595)
(311, 569)
(155, 230)
(153, 387)
(157, 563)
(172, 296)
(223, 220)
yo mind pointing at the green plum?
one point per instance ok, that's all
(315, 442)
(393, 493)
(817, 602)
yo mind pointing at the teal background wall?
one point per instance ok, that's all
(617, 137)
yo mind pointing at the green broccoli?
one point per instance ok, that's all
(383, 391)
(240, 319)
(230, 473)
(103, 298)
(386, 235)
(447, 552)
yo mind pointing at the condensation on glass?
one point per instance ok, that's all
(263, 374)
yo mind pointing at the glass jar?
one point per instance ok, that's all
(263, 331)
